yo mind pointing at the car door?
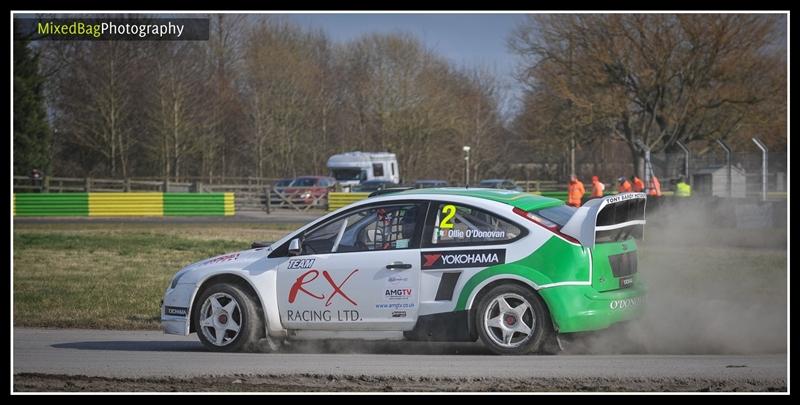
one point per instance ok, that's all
(459, 241)
(356, 271)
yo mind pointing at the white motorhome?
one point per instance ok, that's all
(352, 168)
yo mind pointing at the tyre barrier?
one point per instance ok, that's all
(123, 204)
(338, 200)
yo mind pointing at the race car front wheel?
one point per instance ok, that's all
(512, 320)
(228, 319)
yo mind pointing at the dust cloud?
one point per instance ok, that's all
(713, 287)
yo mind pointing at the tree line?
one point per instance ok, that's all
(265, 97)
(644, 82)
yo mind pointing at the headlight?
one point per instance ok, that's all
(176, 278)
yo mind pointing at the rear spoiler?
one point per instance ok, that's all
(608, 218)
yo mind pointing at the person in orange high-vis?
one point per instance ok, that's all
(655, 187)
(638, 184)
(575, 191)
(624, 185)
(597, 187)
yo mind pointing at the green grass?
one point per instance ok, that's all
(74, 276)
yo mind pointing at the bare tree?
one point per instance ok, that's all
(648, 80)
(174, 104)
(94, 93)
(270, 98)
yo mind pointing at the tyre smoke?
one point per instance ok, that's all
(713, 287)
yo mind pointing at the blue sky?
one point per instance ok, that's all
(464, 39)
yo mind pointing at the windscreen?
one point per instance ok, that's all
(306, 182)
(558, 215)
(346, 174)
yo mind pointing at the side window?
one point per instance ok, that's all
(393, 172)
(377, 169)
(376, 228)
(322, 239)
(456, 224)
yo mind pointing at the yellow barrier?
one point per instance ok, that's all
(339, 200)
(126, 204)
(229, 206)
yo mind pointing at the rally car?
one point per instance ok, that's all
(512, 269)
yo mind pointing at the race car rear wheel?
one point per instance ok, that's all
(228, 319)
(512, 319)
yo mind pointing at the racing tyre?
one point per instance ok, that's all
(228, 319)
(511, 319)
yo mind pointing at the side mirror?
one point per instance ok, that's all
(294, 247)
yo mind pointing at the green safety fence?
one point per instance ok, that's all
(51, 205)
(195, 204)
(123, 204)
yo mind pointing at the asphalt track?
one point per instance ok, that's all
(133, 354)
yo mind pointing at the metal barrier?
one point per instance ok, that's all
(51, 205)
(339, 200)
(123, 204)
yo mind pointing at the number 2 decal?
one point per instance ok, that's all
(450, 211)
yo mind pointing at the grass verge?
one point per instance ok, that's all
(111, 276)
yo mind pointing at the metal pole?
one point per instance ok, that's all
(728, 162)
(466, 168)
(763, 168)
(647, 169)
(647, 166)
(686, 155)
(572, 156)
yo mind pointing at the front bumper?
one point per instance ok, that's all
(175, 326)
(176, 309)
(582, 308)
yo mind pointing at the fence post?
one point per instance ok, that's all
(685, 160)
(87, 184)
(198, 187)
(126, 185)
(165, 186)
(763, 168)
(729, 163)
(46, 184)
(269, 199)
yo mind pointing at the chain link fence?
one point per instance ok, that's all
(746, 170)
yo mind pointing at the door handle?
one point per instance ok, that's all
(398, 266)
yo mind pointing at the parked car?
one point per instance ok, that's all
(309, 189)
(277, 187)
(430, 183)
(511, 269)
(282, 183)
(500, 183)
(372, 185)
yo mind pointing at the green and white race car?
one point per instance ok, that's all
(450, 264)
